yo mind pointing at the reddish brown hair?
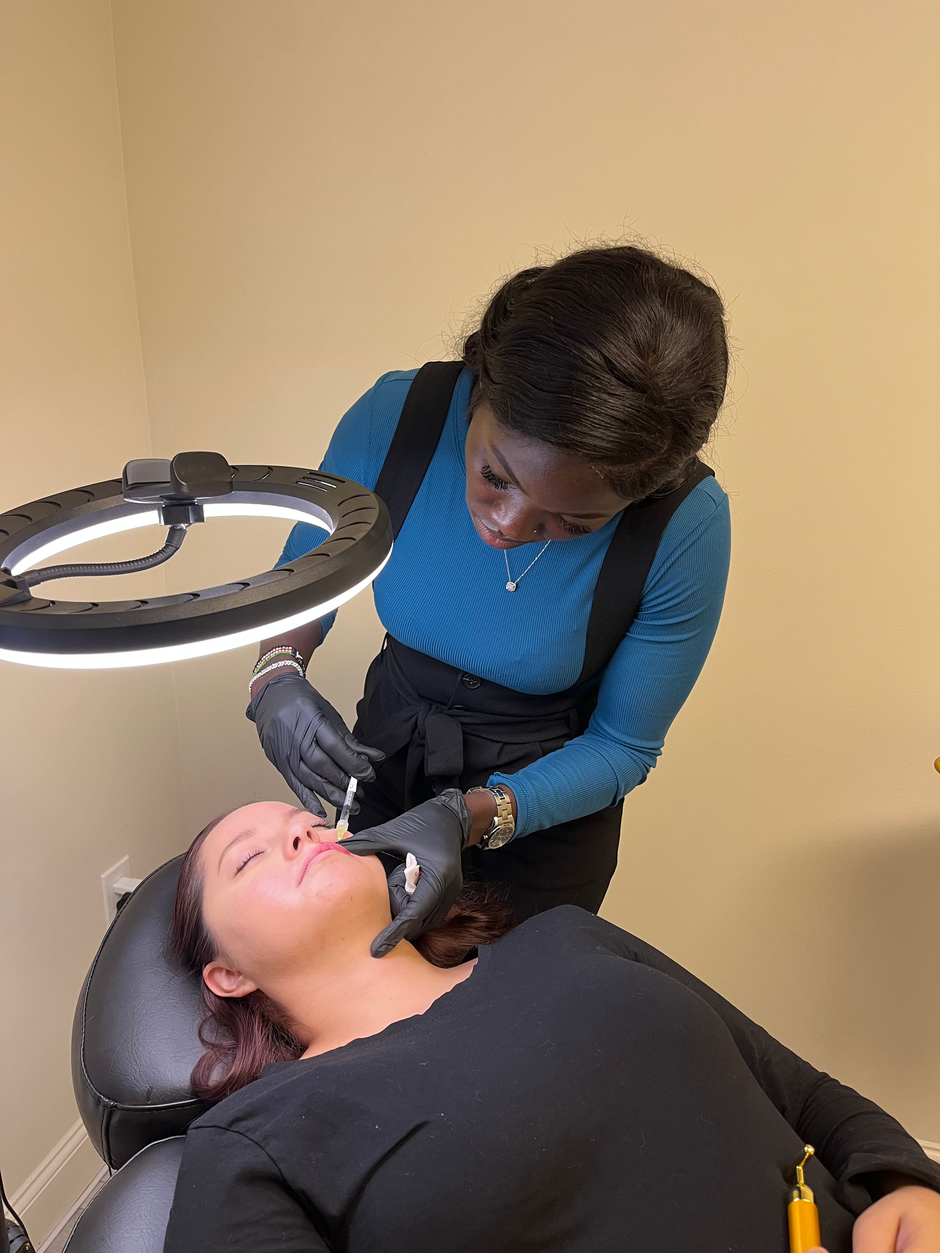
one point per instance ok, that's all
(241, 1035)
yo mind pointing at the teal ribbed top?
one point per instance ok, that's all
(443, 593)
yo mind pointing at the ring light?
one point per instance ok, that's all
(194, 487)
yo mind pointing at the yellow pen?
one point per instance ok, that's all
(802, 1214)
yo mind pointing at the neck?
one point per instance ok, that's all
(357, 996)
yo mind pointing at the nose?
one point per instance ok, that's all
(299, 836)
(517, 521)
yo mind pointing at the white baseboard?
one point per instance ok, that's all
(931, 1149)
(76, 1208)
(57, 1186)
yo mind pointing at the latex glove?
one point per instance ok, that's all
(436, 832)
(309, 743)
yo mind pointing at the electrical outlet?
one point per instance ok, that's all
(120, 870)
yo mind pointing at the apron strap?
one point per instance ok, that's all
(623, 574)
(416, 438)
(630, 554)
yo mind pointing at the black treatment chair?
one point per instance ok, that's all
(134, 1045)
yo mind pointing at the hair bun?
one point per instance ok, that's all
(612, 354)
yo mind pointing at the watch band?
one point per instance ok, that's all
(502, 828)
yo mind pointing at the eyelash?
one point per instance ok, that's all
(572, 529)
(244, 863)
(492, 477)
(501, 486)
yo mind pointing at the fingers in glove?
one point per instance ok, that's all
(365, 842)
(350, 761)
(373, 754)
(316, 783)
(307, 749)
(333, 716)
(414, 914)
(405, 927)
(398, 896)
(432, 898)
(308, 799)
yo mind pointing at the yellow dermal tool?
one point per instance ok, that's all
(802, 1214)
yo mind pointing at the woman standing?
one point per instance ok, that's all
(557, 578)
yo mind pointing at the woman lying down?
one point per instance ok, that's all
(560, 1086)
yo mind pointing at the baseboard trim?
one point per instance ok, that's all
(49, 1167)
(931, 1148)
(58, 1185)
(75, 1209)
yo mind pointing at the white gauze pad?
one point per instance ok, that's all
(412, 870)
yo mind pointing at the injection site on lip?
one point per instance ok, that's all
(325, 846)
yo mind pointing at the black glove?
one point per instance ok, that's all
(306, 739)
(436, 832)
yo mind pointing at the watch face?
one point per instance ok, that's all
(502, 835)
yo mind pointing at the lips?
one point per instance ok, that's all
(325, 846)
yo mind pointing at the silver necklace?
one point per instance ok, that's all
(514, 583)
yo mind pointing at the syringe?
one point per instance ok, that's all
(343, 825)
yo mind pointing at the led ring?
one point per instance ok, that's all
(93, 635)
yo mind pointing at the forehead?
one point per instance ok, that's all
(562, 482)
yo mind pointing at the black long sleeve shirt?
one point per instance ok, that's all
(579, 1092)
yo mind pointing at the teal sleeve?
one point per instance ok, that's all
(356, 451)
(645, 684)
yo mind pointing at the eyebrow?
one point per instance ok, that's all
(242, 835)
(587, 517)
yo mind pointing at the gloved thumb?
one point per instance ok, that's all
(402, 928)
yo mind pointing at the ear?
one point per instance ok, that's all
(224, 981)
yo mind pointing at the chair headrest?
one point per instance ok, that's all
(135, 1037)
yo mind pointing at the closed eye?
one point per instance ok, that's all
(573, 528)
(245, 860)
(492, 477)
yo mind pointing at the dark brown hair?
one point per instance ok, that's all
(241, 1035)
(611, 354)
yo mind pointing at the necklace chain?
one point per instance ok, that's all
(512, 583)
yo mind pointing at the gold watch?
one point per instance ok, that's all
(501, 829)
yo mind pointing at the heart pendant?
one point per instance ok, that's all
(510, 587)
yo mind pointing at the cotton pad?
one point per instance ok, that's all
(412, 870)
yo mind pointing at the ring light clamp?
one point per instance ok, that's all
(192, 488)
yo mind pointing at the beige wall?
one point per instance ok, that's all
(83, 778)
(319, 193)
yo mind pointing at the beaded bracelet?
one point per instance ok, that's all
(273, 652)
(276, 666)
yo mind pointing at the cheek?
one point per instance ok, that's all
(253, 919)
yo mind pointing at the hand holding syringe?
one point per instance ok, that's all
(412, 869)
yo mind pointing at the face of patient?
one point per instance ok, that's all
(278, 894)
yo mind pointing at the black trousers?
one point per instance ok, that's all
(467, 730)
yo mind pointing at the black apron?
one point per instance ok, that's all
(442, 727)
